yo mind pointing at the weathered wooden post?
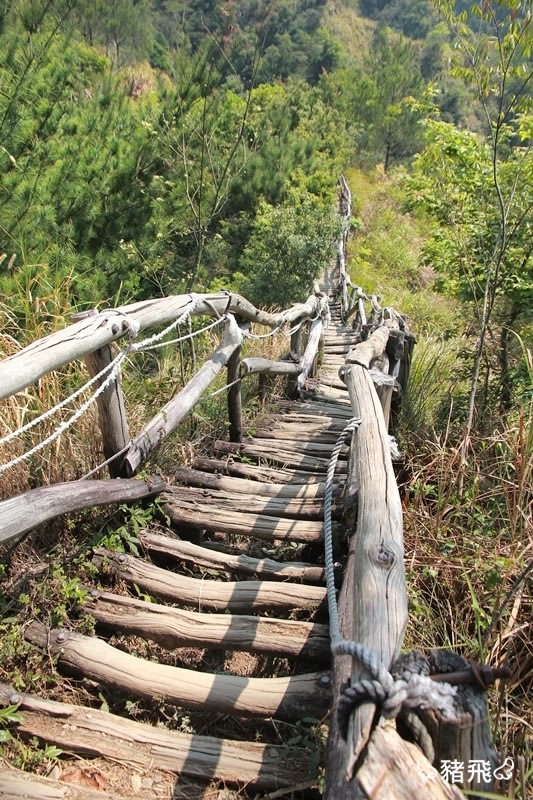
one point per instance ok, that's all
(234, 399)
(111, 409)
(369, 758)
(345, 210)
(308, 360)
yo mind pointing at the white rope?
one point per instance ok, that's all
(186, 336)
(106, 462)
(64, 426)
(227, 386)
(46, 414)
(194, 303)
(335, 633)
(259, 336)
(112, 368)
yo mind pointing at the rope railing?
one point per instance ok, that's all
(106, 381)
(106, 376)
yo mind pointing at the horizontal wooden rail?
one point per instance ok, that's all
(93, 332)
(24, 512)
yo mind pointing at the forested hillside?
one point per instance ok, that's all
(153, 147)
(145, 146)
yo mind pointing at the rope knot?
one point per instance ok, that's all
(407, 686)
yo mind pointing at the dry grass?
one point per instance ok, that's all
(42, 574)
(470, 567)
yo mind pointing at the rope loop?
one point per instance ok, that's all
(407, 686)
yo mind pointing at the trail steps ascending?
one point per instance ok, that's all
(221, 580)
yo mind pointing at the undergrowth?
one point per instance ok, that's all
(46, 574)
(469, 542)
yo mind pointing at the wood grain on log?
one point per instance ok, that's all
(90, 732)
(15, 784)
(378, 592)
(207, 480)
(394, 769)
(213, 559)
(292, 508)
(365, 352)
(111, 409)
(287, 699)
(293, 457)
(260, 526)
(255, 472)
(308, 360)
(21, 514)
(173, 627)
(265, 366)
(236, 596)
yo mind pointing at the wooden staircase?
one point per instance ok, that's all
(227, 602)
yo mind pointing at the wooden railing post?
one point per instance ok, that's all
(111, 409)
(177, 409)
(234, 396)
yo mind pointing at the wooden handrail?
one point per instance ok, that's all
(93, 332)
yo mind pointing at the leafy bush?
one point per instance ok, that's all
(289, 246)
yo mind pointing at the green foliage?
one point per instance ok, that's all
(478, 188)
(288, 34)
(8, 716)
(374, 99)
(123, 27)
(134, 517)
(290, 245)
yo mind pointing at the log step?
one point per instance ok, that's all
(16, 784)
(279, 507)
(208, 480)
(284, 456)
(214, 559)
(211, 517)
(255, 472)
(239, 597)
(289, 698)
(172, 628)
(75, 729)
